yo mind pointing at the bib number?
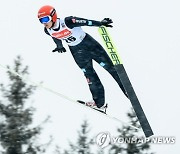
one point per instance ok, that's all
(70, 39)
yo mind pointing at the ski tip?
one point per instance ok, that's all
(81, 102)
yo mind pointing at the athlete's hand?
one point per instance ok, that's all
(60, 50)
(106, 22)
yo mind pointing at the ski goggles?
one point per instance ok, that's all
(45, 19)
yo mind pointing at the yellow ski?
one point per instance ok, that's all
(113, 54)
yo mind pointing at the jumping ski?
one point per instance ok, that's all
(105, 114)
(113, 54)
(81, 103)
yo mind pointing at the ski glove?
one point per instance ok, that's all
(106, 22)
(60, 50)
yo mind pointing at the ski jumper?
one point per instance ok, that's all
(84, 49)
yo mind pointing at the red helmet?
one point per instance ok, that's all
(47, 10)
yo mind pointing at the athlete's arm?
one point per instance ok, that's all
(57, 41)
(72, 22)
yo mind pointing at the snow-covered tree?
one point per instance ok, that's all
(16, 135)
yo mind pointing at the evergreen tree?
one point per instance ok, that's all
(83, 145)
(57, 150)
(16, 117)
(101, 151)
(133, 144)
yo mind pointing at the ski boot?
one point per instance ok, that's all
(92, 105)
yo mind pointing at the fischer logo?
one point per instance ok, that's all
(110, 46)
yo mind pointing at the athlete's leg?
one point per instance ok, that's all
(101, 57)
(85, 63)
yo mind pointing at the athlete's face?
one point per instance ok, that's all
(48, 25)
